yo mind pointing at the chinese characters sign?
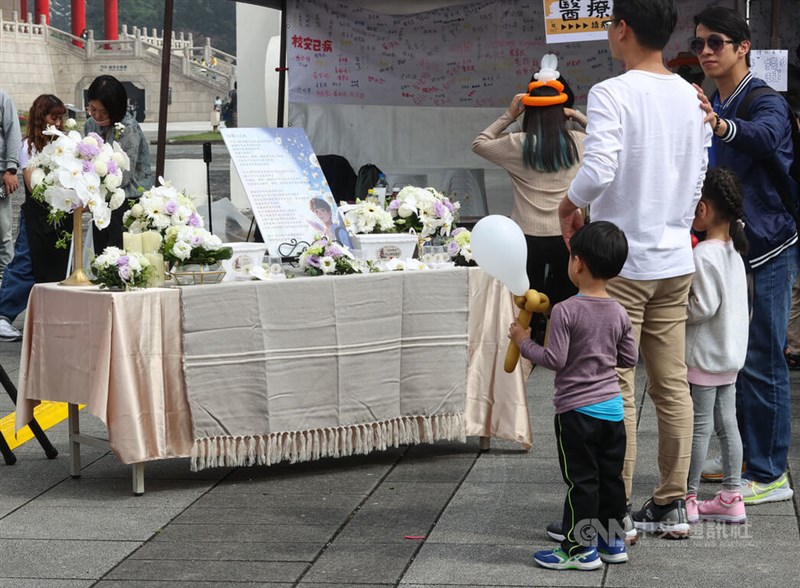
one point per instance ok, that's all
(772, 66)
(281, 176)
(567, 21)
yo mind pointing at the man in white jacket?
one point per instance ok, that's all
(644, 162)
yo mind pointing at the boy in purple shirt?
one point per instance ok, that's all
(590, 336)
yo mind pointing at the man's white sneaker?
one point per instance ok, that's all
(9, 332)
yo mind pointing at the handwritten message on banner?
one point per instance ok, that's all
(576, 20)
(772, 66)
(476, 54)
(281, 176)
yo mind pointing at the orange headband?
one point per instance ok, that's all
(560, 98)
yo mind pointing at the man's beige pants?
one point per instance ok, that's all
(657, 309)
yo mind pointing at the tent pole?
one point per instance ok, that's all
(281, 69)
(775, 32)
(166, 60)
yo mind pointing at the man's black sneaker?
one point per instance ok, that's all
(669, 521)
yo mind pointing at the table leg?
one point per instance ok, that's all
(484, 443)
(74, 427)
(137, 470)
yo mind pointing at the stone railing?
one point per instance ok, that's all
(203, 63)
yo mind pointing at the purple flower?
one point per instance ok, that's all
(313, 261)
(449, 205)
(453, 248)
(87, 166)
(439, 208)
(333, 250)
(196, 241)
(88, 150)
(394, 205)
(194, 220)
(171, 206)
(125, 272)
(113, 168)
(122, 260)
(97, 138)
(458, 231)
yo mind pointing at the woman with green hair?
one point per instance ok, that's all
(541, 161)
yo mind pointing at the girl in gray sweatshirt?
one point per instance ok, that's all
(716, 342)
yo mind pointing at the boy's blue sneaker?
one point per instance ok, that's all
(613, 552)
(557, 559)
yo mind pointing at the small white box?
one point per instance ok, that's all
(245, 256)
(383, 246)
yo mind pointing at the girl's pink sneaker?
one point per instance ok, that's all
(691, 509)
(726, 507)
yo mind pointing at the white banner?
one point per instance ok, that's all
(476, 54)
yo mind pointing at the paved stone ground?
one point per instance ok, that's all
(344, 522)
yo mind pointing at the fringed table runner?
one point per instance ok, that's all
(308, 368)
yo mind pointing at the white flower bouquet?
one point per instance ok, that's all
(459, 248)
(160, 208)
(187, 244)
(426, 210)
(74, 172)
(328, 258)
(368, 216)
(119, 270)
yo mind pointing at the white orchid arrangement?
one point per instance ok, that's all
(368, 216)
(116, 268)
(160, 208)
(188, 244)
(74, 172)
(426, 210)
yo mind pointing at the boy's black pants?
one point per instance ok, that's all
(591, 452)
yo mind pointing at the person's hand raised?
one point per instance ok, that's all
(516, 107)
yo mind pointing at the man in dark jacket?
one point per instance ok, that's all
(747, 146)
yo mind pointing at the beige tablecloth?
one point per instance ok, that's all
(120, 354)
(280, 370)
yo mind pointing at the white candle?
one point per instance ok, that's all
(132, 242)
(157, 277)
(151, 241)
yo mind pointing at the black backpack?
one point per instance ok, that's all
(367, 178)
(782, 182)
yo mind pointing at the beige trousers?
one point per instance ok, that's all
(657, 309)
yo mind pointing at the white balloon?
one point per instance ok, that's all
(498, 246)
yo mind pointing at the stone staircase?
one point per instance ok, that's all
(37, 58)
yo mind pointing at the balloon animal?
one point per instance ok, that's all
(531, 302)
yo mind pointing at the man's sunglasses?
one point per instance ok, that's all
(715, 43)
